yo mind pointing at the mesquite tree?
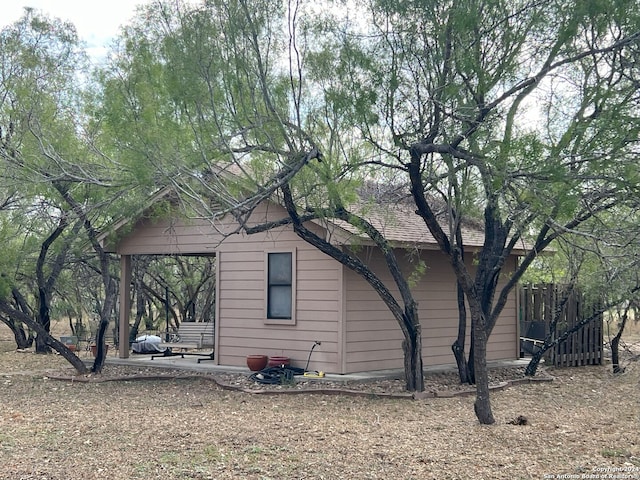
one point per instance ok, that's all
(39, 58)
(523, 114)
(520, 114)
(229, 79)
(49, 154)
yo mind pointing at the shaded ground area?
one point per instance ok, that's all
(584, 422)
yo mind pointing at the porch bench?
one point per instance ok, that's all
(530, 345)
(533, 339)
(190, 336)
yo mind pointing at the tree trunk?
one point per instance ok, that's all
(44, 318)
(166, 306)
(105, 314)
(615, 344)
(482, 405)
(532, 366)
(459, 345)
(461, 360)
(471, 364)
(107, 281)
(406, 317)
(413, 368)
(141, 303)
(78, 327)
(615, 355)
(22, 340)
(45, 285)
(101, 348)
(58, 346)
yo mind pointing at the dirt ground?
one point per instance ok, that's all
(583, 424)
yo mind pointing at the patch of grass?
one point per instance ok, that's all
(184, 466)
(213, 454)
(50, 440)
(289, 382)
(6, 442)
(615, 453)
(170, 458)
(254, 450)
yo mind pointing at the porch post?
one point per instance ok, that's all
(125, 305)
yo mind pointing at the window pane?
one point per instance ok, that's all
(280, 268)
(279, 305)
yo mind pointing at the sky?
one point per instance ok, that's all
(97, 21)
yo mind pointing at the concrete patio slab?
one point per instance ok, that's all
(190, 363)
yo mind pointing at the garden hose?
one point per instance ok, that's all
(276, 375)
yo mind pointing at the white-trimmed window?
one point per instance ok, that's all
(280, 282)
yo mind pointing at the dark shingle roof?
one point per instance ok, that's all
(400, 225)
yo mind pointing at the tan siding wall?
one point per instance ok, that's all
(374, 338)
(243, 330)
(167, 237)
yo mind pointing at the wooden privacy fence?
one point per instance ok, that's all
(538, 305)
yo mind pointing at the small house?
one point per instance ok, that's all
(277, 295)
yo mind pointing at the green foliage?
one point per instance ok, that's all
(418, 272)
(185, 88)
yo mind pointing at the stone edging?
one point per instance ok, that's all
(323, 391)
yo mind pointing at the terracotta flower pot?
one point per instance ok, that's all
(94, 350)
(278, 361)
(256, 362)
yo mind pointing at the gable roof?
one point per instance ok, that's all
(389, 210)
(400, 225)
